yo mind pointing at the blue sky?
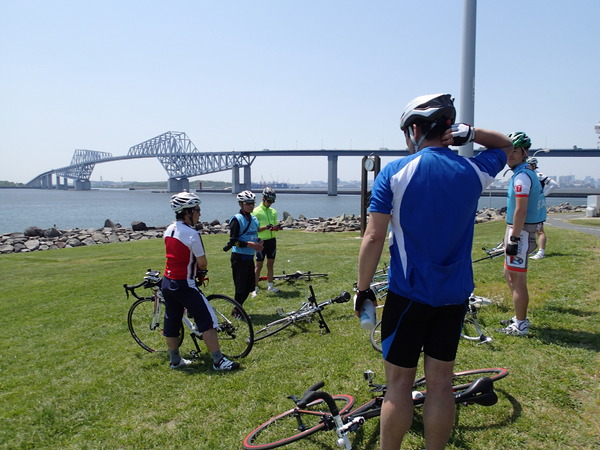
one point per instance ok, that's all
(242, 75)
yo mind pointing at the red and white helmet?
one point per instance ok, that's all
(184, 200)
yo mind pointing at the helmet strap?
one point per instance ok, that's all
(417, 144)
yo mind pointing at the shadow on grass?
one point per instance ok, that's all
(570, 311)
(576, 339)
(505, 418)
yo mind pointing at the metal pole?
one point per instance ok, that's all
(467, 94)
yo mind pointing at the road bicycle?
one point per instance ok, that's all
(145, 320)
(305, 313)
(493, 252)
(298, 275)
(318, 411)
(471, 331)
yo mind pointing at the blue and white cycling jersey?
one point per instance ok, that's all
(430, 243)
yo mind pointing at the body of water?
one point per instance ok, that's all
(22, 208)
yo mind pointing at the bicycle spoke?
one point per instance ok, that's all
(236, 335)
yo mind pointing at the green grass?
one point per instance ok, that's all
(72, 376)
(586, 222)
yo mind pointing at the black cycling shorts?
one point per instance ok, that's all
(269, 250)
(179, 296)
(408, 327)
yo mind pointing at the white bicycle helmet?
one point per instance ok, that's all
(427, 108)
(269, 194)
(184, 200)
(246, 196)
(532, 160)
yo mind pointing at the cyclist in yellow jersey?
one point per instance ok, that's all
(267, 231)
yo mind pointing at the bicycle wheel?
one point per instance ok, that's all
(272, 328)
(462, 380)
(376, 336)
(236, 335)
(295, 424)
(139, 321)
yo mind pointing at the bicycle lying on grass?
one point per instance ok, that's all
(298, 275)
(305, 313)
(492, 253)
(145, 320)
(471, 331)
(319, 411)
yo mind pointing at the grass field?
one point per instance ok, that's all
(71, 376)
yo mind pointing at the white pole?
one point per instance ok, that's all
(467, 94)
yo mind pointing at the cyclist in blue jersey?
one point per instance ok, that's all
(244, 243)
(186, 261)
(429, 200)
(525, 214)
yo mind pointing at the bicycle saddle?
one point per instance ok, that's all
(481, 391)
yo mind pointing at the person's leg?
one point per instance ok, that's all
(520, 294)
(397, 407)
(257, 271)
(439, 409)
(270, 270)
(239, 272)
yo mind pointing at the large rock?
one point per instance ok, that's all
(34, 231)
(7, 248)
(138, 226)
(51, 233)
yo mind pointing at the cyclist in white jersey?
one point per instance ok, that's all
(430, 272)
(548, 184)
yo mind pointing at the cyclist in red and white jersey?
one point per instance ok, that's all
(186, 261)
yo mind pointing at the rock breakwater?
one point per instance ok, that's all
(36, 239)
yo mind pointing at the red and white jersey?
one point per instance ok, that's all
(183, 244)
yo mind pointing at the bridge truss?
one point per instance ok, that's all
(82, 164)
(180, 158)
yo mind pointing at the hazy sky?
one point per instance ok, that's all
(246, 75)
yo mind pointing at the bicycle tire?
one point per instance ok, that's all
(462, 380)
(295, 424)
(139, 320)
(236, 334)
(272, 328)
(376, 337)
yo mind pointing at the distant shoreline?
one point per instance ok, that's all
(559, 192)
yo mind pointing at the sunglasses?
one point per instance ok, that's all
(249, 202)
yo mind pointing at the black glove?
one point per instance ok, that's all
(201, 277)
(512, 247)
(462, 133)
(361, 296)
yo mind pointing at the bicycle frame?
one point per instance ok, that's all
(306, 311)
(146, 325)
(479, 390)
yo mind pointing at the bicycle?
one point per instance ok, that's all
(145, 321)
(471, 331)
(303, 314)
(319, 411)
(298, 275)
(493, 252)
